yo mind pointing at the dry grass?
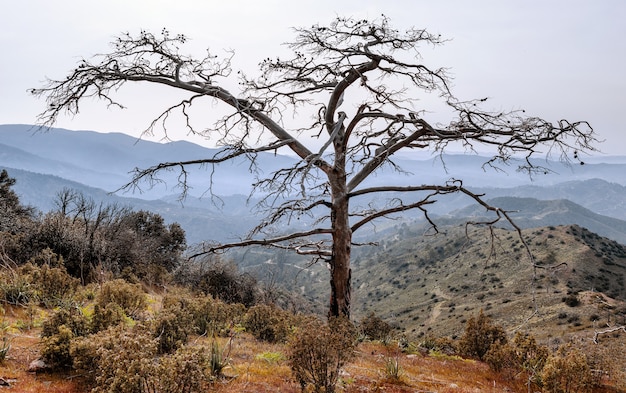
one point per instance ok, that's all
(24, 349)
(257, 366)
(366, 373)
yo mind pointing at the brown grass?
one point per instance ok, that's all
(24, 349)
(257, 367)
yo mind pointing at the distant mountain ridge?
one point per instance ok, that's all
(98, 164)
(105, 160)
(534, 213)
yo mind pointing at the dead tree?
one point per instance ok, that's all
(377, 73)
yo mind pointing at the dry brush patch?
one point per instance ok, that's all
(24, 349)
(256, 366)
(262, 366)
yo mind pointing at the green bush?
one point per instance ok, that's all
(317, 352)
(268, 323)
(130, 297)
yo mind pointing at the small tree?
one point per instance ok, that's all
(480, 334)
(523, 357)
(376, 71)
(13, 214)
(92, 237)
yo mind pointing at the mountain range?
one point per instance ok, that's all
(99, 165)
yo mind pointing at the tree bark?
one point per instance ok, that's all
(340, 272)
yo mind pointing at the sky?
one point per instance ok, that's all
(555, 59)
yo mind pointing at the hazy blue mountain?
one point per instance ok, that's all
(14, 157)
(97, 164)
(200, 223)
(597, 195)
(533, 213)
(105, 160)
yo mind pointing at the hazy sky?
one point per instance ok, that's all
(555, 59)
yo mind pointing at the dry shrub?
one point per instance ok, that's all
(374, 327)
(317, 352)
(55, 287)
(172, 327)
(126, 360)
(480, 334)
(269, 323)
(119, 359)
(607, 360)
(208, 316)
(220, 279)
(185, 371)
(130, 297)
(45, 285)
(57, 333)
(55, 349)
(567, 371)
(104, 317)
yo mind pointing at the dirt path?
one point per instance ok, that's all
(436, 311)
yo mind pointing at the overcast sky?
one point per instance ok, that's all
(555, 59)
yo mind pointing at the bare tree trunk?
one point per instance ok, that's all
(340, 273)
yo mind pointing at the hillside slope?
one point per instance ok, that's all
(428, 285)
